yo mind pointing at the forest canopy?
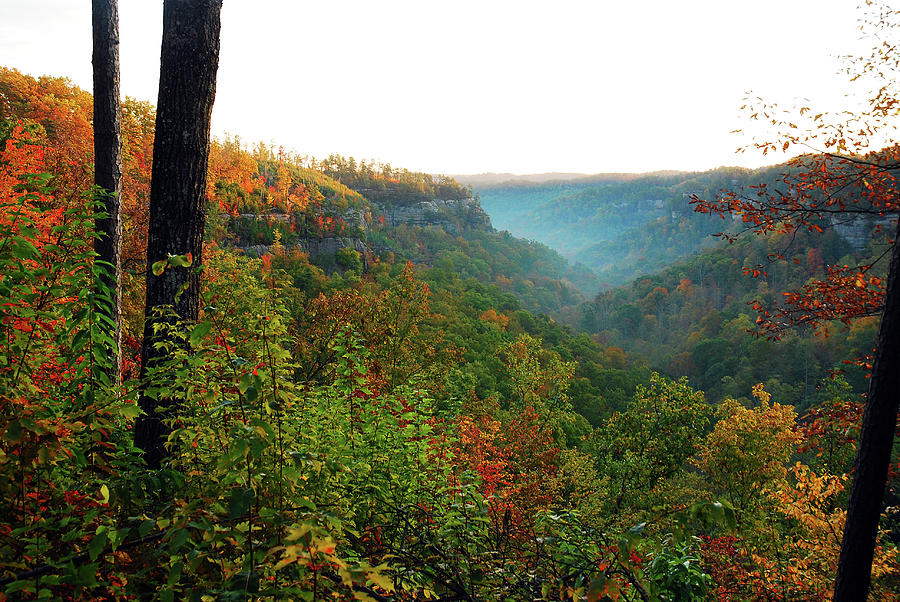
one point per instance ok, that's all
(369, 407)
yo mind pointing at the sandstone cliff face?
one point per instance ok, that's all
(313, 246)
(454, 216)
(451, 215)
(354, 217)
(858, 229)
(331, 245)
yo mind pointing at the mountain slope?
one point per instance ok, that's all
(620, 226)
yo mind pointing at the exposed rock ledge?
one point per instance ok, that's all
(313, 246)
(452, 215)
(858, 229)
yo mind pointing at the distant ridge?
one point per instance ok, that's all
(490, 179)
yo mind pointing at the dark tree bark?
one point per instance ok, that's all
(187, 88)
(875, 442)
(108, 162)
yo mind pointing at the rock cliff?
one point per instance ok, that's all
(858, 229)
(451, 215)
(454, 216)
(328, 245)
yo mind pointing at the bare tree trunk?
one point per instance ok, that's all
(108, 163)
(874, 455)
(187, 89)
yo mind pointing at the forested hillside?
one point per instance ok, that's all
(383, 398)
(697, 318)
(689, 305)
(618, 225)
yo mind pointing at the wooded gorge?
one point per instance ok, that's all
(378, 396)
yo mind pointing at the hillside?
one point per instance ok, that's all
(675, 294)
(394, 216)
(381, 397)
(619, 227)
(694, 318)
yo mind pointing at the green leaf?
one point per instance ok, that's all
(159, 267)
(14, 432)
(20, 586)
(239, 502)
(146, 526)
(262, 424)
(180, 261)
(130, 410)
(175, 573)
(245, 382)
(198, 332)
(181, 290)
(97, 544)
(80, 338)
(25, 250)
(118, 536)
(730, 518)
(180, 538)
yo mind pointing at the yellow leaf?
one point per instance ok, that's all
(382, 581)
(284, 562)
(295, 533)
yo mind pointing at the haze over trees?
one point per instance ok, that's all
(345, 384)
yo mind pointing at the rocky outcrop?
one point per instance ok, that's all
(313, 246)
(331, 245)
(451, 215)
(354, 217)
(858, 229)
(255, 250)
(272, 216)
(454, 216)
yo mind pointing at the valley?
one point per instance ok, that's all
(399, 385)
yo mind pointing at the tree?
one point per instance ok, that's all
(187, 87)
(108, 161)
(844, 181)
(748, 449)
(875, 444)
(649, 442)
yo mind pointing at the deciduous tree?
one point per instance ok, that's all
(846, 180)
(187, 88)
(108, 160)
(651, 439)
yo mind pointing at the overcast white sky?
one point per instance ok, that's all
(486, 85)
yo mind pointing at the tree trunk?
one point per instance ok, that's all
(187, 88)
(875, 443)
(108, 165)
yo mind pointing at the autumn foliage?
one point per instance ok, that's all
(354, 425)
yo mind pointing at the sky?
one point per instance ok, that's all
(464, 87)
